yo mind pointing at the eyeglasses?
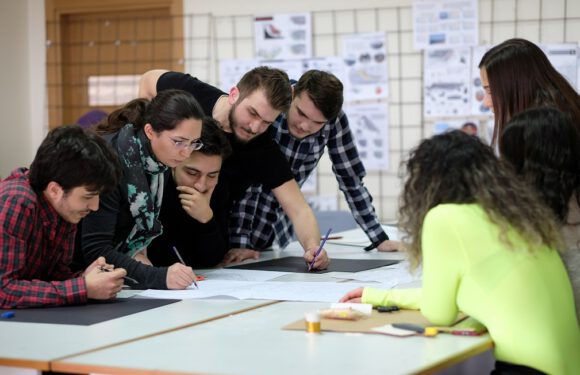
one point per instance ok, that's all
(194, 145)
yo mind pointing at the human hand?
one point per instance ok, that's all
(322, 261)
(196, 204)
(390, 245)
(354, 296)
(104, 285)
(99, 263)
(179, 276)
(237, 255)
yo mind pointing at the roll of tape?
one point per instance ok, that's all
(312, 320)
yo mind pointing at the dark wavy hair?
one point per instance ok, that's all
(74, 157)
(520, 76)
(455, 167)
(543, 146)
(163, 112)
(214, 140)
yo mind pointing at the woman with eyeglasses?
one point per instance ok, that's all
(150, 139)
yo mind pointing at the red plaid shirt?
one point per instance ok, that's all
(36, 248)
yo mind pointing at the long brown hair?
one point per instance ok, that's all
(458, 168)
(164, 112)
(520, 76)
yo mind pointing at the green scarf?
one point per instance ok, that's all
(144, 197)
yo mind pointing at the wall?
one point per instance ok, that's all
(227, 34)
(22, 88)
(224, 30)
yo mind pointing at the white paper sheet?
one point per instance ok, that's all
(242, 275)
(272, 290)
(390, 276)
(445, 23)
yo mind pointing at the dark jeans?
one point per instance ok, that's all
(505, 368)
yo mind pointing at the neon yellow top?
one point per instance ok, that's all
(524, 299)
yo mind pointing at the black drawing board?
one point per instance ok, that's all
(86, 315)
(297, 264)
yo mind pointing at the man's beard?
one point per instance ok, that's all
(234, 125)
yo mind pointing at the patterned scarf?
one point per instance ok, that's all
(144, 197)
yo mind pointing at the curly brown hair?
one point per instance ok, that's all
(458, 168)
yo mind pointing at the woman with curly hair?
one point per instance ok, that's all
(543, 146)
(517, 75)
(487, 247)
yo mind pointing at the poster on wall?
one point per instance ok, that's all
(331, 64)
(445, 23)
(477, 92)
(366, 70)
(369, 127)
(446, 82)
(564, 58)
(232, 70)
(283, 36)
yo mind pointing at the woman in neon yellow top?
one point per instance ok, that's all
(486, 246)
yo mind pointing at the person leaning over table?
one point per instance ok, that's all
(244, 115)
(149, 138)
(193, 213)
(39, 211)
(487, 245)
(314, 122)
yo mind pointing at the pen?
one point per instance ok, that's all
(426, 331)
(332, 238)
(103, 269)
(319, 249)
(183, 262)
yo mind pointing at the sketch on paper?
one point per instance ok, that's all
(369, 126)
(283, 36)
(446, 77)
(365, 64)
(445, 23)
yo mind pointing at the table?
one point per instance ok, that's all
(254, 343)
(35, 345)
(229, 337)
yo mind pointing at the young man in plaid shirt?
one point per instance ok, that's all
(39, 210)
(315, 121)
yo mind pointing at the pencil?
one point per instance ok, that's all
(319, 249)
(103, 269)
(183, 262)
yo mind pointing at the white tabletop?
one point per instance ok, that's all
(34, 345)
(254, 343)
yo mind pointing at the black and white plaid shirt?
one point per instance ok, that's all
(257, 219)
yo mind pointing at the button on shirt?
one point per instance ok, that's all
(257, 219)
(36, 249)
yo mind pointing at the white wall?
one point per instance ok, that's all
(22, 83)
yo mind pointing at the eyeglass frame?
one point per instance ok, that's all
(195, 145)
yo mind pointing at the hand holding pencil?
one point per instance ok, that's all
(179, 275)
(316, 257)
